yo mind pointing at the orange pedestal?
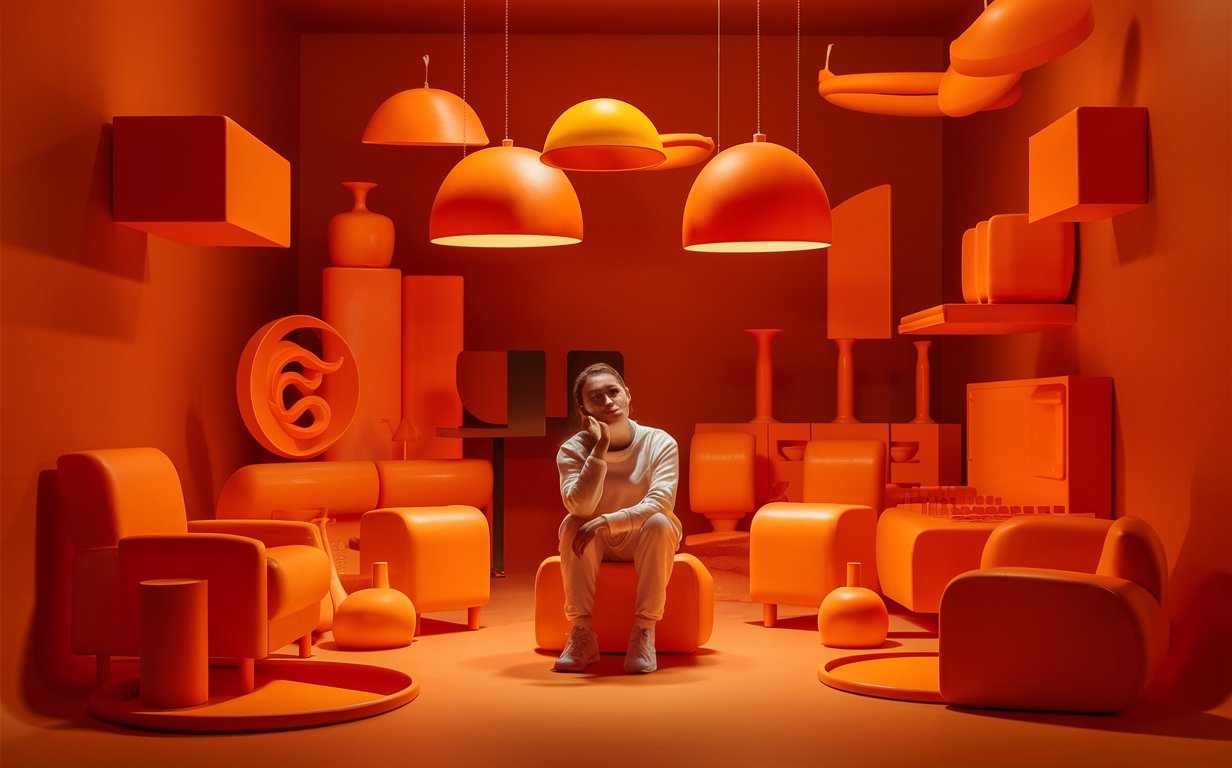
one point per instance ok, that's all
(683, 629)
(1088, 165)
(365, 307)
(175, 662)
(200, 180)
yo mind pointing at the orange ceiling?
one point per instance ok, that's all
(944, 18)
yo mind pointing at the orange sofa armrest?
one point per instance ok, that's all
(271, 533)
(1045, 639)
(434, 483)
(1063, 543)
(233, 566)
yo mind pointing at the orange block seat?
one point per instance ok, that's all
(917, 555)
(686, 624)
(439, 557)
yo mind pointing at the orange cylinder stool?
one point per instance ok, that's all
(685, 626)
(439, 557)
(175, 659)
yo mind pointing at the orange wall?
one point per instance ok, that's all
(678, 317)
(112, 338)
(1152, 290)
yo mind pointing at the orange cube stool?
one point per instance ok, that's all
(439, 557)
(686, 624)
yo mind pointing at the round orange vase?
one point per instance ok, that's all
(359, 237)
(852, 616)
(376, 618)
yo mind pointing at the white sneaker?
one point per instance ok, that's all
(640, 658)
(581, 650)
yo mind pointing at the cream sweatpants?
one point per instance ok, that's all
(650, 548)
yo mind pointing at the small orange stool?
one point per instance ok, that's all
(439, 557)
(686, 624)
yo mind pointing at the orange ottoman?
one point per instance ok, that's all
(439, 557)
(686, 623)
(917, 555)
(798, 552)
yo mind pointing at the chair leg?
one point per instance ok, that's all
(472, 616)
(102, 669)
(769, 615)
(248, 675)
(305, 646)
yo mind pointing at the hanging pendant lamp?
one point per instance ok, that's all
(426, 117)
(503, 197)
(603, 135)
(756, 197)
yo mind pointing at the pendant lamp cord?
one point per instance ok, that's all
(506, 69)
(718, 74)
(425, 70)
(797, 77)
(463, 78)
(758, 66)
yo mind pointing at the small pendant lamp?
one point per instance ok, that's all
(603, 135)
(758, 196)
(504, 197)
(427, 117)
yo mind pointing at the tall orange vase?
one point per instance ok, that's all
(360, 237)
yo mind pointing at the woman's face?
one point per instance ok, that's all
(604, 398)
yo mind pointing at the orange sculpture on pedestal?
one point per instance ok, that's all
(853, 616)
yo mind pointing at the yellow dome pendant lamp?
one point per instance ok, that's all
(425, 117)
(603, 135)
(504, 197)
(758, 197)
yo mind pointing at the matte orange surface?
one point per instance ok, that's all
(859, 268)
(175, 661)
(200, 180)
(1028, 263)
(1056, 640)
(1088, 165)
(1012, 36)
(988, 319)
(365, 306)
(432, 321)
(685, 626)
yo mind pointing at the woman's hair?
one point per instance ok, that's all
(594, 370)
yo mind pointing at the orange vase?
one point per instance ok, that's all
(359, 237)
(852, 616)
(375, 618)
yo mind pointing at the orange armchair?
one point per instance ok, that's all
(127, 521)
(1063, 615)
(798, 551)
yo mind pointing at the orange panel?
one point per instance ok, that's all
(431, 342)
(483, 383)
(1090, 164)
(786, 461)
(990, 319)
(200, 180)
(858, 268)
(761, 434)
(970, 287)
(1028, 263)
(365, 306)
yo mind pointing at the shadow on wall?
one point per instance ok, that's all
(55, 681)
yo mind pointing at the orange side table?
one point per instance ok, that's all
(175, 663)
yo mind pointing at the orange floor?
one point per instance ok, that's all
(750, 697)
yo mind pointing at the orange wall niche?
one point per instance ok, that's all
(678, 317)
(1151, 288)
(112, 338)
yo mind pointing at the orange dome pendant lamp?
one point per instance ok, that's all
(757, 197)
(425, 117)
(603, 135)
(504, 197)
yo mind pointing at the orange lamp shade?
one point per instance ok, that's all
(425, 117)
(960, 95)
(757, 196)
(503, 197)
(199, 180)
(603, 135)
(1016, 35)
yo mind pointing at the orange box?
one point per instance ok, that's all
(1028, 263)
(1088, 165)
(786, 460)
(199, 180)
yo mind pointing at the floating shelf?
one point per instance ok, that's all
(988, 319)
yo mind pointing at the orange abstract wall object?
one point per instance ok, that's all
(859, 277)
(276, 386)
(960, 95)
(431, 342)
(365, 306)
(1090, 164)
(1026, 263)
(1016, 35)
(200, 180)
